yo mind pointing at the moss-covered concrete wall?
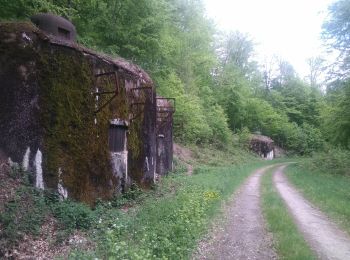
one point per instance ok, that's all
(47, 114)
(19, 99)
(141, 135)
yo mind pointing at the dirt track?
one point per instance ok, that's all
(242, 235)
(323, 236)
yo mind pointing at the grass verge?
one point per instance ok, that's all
(170, 220)
(289, 243)
(330, 192)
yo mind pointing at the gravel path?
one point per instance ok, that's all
(241, 234)
(323, 236)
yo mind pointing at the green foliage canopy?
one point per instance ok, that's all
(219, 87)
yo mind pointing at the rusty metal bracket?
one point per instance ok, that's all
(115, 92)
(138, 113)
(105, 104)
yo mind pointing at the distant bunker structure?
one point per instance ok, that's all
(263, 146)
(81, 123)
(164, 132)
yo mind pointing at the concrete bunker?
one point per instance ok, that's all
(263, 146)
(55, 25)
(83, 123)
(164, 131)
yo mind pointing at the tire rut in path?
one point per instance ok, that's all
(242, 234)
(323, 236)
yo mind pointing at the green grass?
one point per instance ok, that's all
(330, 192)
(289, 243)
(170, 220)
(219, 157)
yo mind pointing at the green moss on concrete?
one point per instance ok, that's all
(71, 139)
(136, 141)
(17, 88)
(135, 148)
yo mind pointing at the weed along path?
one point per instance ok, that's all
(323, 236)
(242, 233)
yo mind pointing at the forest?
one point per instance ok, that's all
(222, 92)
(223, 95)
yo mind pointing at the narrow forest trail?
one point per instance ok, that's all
(242, 233)
(323, 236)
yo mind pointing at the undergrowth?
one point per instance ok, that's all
(228, 155)
(170, 221)
(30, 208)
(333, 161)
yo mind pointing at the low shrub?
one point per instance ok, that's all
(179, 166)
(165, 229)
(22, 215)
(334, 161)
(73, 215)
(28, 210)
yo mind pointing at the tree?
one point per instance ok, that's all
(316, 68)
(270, 70)
(336, 115)
(23, 9)
(216, 81)
(336, 33)
(236, 49)
(190, 122)
(285, 73)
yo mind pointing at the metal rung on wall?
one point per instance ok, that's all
(100, 93)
